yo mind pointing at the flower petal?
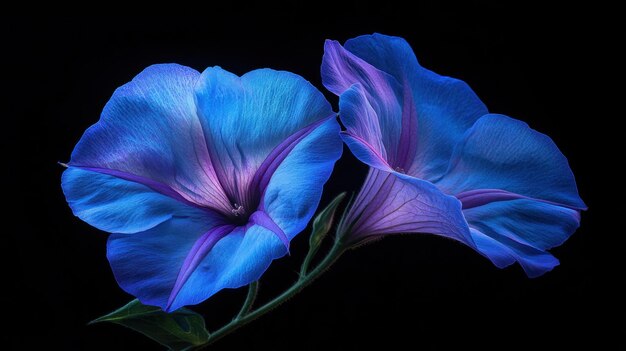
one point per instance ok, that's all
(533, 223)
(262, 219)
(503, 154)
(246, 118)
(445, 107)
(375, 104)
(197, 253)
(363, 132)
(149, 132)
(295, 189)
(503, 252)
(237, 260)
(391, 203)
(117, 205)
(149, 265)
(365, 152)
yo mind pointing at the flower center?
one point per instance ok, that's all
(238, 214)
(399, 169)
(237, 210)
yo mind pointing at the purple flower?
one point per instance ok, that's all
(441, 164)
(203, 179)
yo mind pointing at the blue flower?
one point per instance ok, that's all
(442, 164)
(203, 179)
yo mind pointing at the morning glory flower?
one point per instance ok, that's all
(202, 179)
(442, 164)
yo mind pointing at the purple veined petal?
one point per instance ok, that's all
(266, 170)
(198, 252)
(295, 187)
(262, 219)
(364, 136)
(392, 203)
(363, 132)
(160, 188)
(253, 118)
(117, 205)
(376, 98)
(444, 107)
(407, 146)
(140, 134)
(276, 159)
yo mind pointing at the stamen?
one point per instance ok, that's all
(237, 209)
(399, 169)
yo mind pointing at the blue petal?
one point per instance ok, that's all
(504, 252)
(116, 205)
(521, 230)
(295, 188)
(499, 152)
(445, 107)
(245, 118)
(149, 133)
(147, 265)
(537, 224)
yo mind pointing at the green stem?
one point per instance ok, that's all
(253, 288)
(306, 279)
(304, 269)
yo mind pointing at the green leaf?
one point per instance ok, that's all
(323, 222)
(179, 330)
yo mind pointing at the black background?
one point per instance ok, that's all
(550, 68)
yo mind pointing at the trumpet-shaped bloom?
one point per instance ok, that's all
(441, 164)
(202, 179)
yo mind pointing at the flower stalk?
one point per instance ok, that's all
(246, 315)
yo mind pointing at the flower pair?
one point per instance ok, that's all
(204, 178)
